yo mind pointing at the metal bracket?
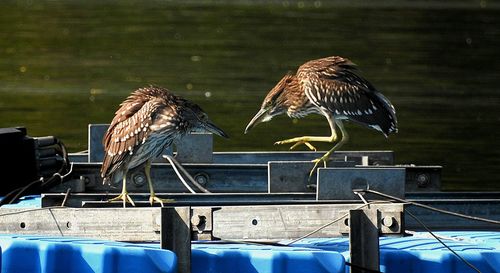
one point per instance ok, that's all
(390, 220)
(365, 227)
(96, 134)
(293, 176)
(195, 148)
(339, 183)
(423, 178)
(363, 239)
(202, 223)
(175, 235)
(289, 176)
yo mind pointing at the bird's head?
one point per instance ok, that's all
(201, 123)
(275, 103)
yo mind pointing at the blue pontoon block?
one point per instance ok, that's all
(37, 254)
(241, 258)
(422, 255)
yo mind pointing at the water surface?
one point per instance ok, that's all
(64, 64)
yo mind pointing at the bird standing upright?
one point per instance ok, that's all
(334, 88)
(147, 122)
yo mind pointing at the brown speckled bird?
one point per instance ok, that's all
(334, 88)
(147, 122)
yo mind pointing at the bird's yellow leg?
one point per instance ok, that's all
(153, 198)
(326, 156)
(306, 140)
(124, 195)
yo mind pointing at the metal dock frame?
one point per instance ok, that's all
(181, 225)
(175, 227)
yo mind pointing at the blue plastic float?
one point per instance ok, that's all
(36, 254)
(399, 254)
(241, 258)
(421, 255)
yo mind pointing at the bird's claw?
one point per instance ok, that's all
(316, 161)
(125, 197)
(153, 199)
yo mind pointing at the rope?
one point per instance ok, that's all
(174, 163)
(443, 243)
(57, 224)
(30, 210)
(330, 223)
(39, 209)
(358, 192)
(66, 195)
(174, 166)
(431, 208)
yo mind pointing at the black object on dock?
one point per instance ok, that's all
(28, 164)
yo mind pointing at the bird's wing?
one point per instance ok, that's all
(129, 128)
(334, 85)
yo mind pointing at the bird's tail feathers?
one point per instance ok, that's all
(113, 179)
(391, 123)
(380, 116)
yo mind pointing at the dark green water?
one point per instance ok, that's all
(64, 64)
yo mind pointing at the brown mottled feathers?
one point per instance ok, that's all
(335, 85)
(132, 124)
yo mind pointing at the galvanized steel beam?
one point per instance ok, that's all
(274, 177)
(181, 199)
(274, 222)
(214, 177)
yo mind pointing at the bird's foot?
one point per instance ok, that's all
(297, 141)
(153, 198)
(317, 161)
(125, 197)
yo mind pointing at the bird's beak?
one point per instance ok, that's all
(261, 116)
(212, 128)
